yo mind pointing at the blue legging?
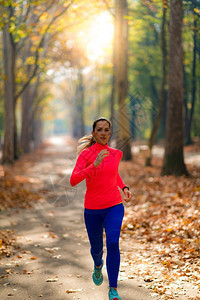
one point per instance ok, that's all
(110, 219)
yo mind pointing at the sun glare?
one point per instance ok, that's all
(99, 36)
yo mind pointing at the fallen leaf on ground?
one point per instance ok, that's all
(52, 280)
(73, 291)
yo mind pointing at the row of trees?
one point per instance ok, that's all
(29, 31)
(173, 158)
(148, 66)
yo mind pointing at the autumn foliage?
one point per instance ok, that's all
(15, 190)
(162, 226)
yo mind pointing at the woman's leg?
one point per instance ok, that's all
(94, 226)
(112, 224)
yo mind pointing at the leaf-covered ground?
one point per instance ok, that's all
(162, 223)
(161, 227)
(7, 243)
(17, 190)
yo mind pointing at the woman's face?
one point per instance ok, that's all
(102, 132)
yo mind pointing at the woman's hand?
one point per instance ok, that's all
(127, 194)
(103, 153)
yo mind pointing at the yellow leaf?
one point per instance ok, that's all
(186, 221)
(197, 10)
(169, 229)
(30, 60)
(190, 250)
(73, 291)
(166, 263)
(176, 239)
(44, 16)
(52, 236)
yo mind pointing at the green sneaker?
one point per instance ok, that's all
(113, 295)
(97, 275)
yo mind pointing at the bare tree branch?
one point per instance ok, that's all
(109, 8)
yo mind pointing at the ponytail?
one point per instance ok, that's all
(84, 143)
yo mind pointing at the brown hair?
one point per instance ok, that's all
(87, 141)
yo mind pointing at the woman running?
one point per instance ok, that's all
(98, 164)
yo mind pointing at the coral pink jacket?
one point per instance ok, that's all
(102, 182)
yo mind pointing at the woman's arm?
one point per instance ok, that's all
(120, 182)
(125, 189)
(80, 171)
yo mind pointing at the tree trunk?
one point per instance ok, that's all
(9, 96)
(155, 98)
(26, 120)
(112, 97)
(112, 105)
(188, 125)
(173, 159)
(37, 128)
(113, 110)
(78, 125)
(75, 116)
(123, 129)
(185, 101)
(28, 98)
(81, 102)
(113, 84)
(163, 86)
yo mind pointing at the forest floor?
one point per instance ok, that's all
(44, 249)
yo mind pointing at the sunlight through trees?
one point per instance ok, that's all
(70, 51)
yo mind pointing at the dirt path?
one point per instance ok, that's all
(54, 261)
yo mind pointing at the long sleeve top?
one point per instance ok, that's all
(102, 182)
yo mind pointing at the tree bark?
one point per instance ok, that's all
(9, 96)
(123, 129)
(163, 86)
(113, 80)
(78, 124)
(185, 101)
(188, 125)
(26, 120)
(28, 99)
(113, 86)
(173, 159)
(112, 96)
(81, 102)
(37, 128)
